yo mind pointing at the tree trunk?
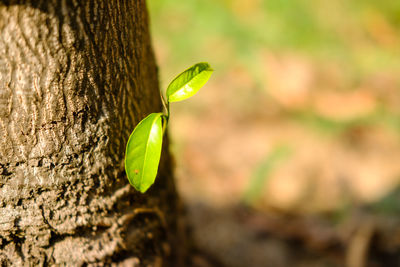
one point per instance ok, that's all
(75, 78)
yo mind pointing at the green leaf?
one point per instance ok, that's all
(143, 152)
(188, 82)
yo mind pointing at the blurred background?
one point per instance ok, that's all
(290, 155)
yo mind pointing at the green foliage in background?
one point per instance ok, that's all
(234, 30)
(360, 37)
(143, 150)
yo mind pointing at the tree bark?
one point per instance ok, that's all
(75, 78)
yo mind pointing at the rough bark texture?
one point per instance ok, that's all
(75, 78)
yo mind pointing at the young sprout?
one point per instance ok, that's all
(143, 150)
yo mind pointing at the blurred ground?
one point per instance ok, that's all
(290, 156)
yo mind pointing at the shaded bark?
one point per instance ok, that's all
(75, 78)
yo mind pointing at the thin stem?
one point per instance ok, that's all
(164, 103)
(165, 117)
(168, 111)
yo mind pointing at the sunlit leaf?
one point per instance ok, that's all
(143, 152)
(188, 82)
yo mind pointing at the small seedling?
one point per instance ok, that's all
(143, 150)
